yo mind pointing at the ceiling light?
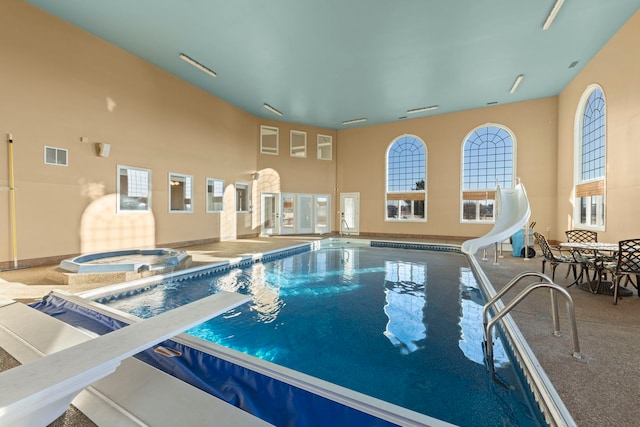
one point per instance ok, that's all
(198, 65)
(273, 110)
(422, 109)
(516, 83)
(552, 14)
(350, 122)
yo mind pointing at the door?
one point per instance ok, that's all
(305, 214)
(288, 209)
(350, 213)
(322, 214)
(270, 220)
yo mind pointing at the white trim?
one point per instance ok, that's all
(57, 151)
(270, 151)
(119, 210)
(188, 181)
(577, 159)
(514, 169)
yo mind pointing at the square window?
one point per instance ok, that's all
(180, 193)
(325, 147)
(268, 140)
(133, 189)
(215, 195)
(298, 144)
(242, 197)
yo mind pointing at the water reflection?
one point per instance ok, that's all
(471, 329)
(406, 299)
(265, 296)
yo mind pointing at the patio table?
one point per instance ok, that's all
(601, 287)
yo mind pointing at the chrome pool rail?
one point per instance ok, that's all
(553, 408)
(545, 283)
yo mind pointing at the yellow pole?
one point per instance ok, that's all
(12, 194)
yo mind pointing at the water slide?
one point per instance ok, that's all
(513, 212)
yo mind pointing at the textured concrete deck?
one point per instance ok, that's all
(599, 389)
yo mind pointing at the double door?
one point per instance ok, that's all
(294, 213)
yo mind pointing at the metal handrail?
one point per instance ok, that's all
(546, 283)
(344, 221)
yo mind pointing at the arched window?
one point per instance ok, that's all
(590, 144)
(488, 154)
(406, 179)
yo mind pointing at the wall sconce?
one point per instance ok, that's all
(255, 176)
(103, 149)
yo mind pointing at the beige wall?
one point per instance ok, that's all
(616, 68)
(533, 124)
(58, 83)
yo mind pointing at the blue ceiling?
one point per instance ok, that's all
(323, 62)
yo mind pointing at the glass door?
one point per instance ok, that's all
(270, 220)
(322, 214)
(305, 214)
(350, 213)
(288, 209)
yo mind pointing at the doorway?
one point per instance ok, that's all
(270, 221)
(350, 213)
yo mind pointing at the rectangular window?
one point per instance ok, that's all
(590, 204)
(478, 205)
(215, 193)
(242, 197)
(268, 140)
(298, 144)
(56, 156)
(180, 193)
(325, 144)
(406, 206)
(133, 189)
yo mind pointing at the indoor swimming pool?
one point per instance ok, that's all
(401, 324)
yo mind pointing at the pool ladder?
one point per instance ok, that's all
(545, 282)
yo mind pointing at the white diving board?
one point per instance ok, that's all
(40, 390)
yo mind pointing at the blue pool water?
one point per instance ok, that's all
(403, 326)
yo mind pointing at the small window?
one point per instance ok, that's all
(215, 193)
(298, 144)
(268, 140)
(56, 156)
(242, 197)
(134, 189)
(325, 144)
(180, 193)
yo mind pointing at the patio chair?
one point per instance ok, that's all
(626, 266)
(555, 259)
(586, 258)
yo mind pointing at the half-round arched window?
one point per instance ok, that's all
(406, 179)
(488, 154)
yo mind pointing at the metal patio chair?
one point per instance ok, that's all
(627, 266)
(555, 259)
(586, 258)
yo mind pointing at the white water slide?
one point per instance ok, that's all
(513, 213)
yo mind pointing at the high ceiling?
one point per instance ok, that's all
(323, 62)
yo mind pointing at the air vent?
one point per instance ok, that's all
(56, 156)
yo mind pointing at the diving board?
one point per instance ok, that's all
(513, 212)
(39, 391)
